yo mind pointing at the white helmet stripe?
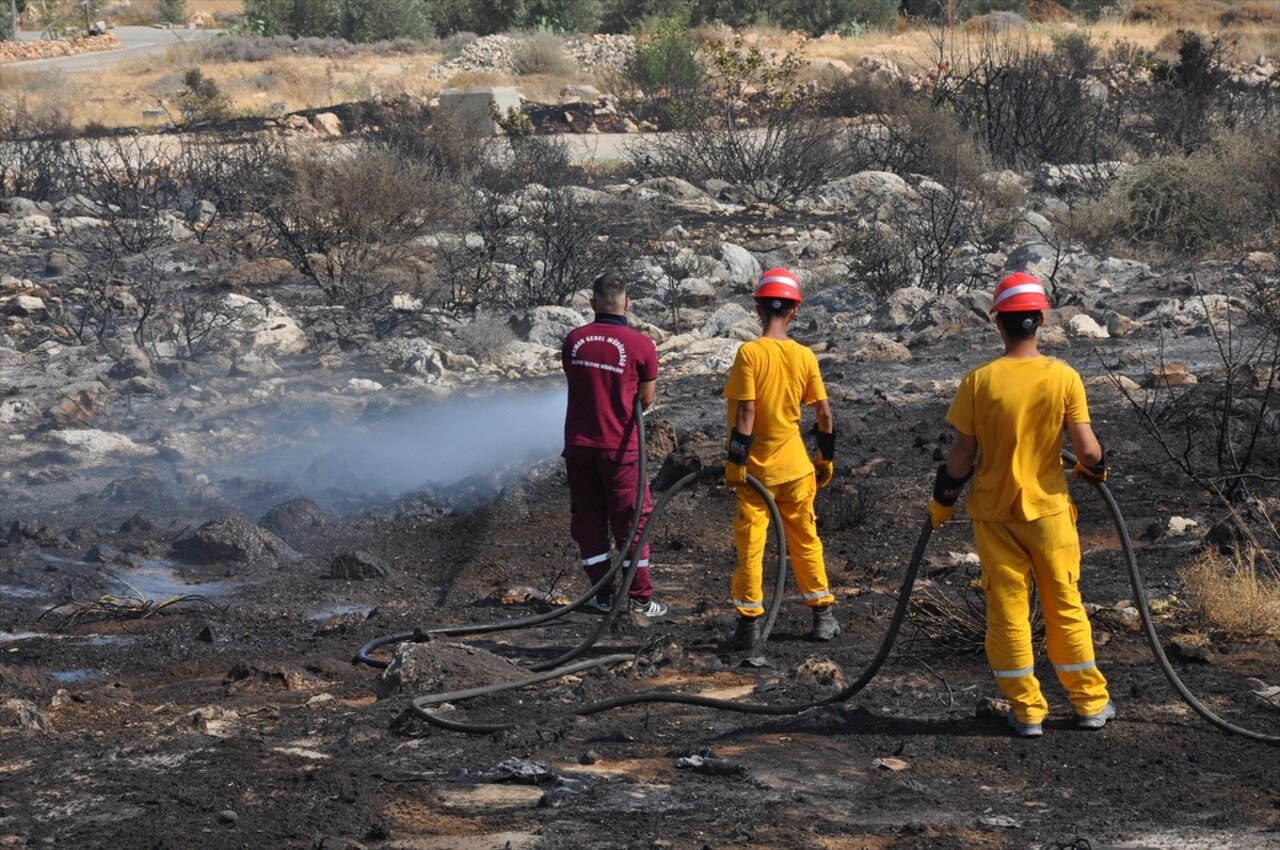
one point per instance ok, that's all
(779, 278)
(1019, 289)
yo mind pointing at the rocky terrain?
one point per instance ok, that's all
(204, 523)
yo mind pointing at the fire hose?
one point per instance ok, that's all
(559, 667)
(1148, 623)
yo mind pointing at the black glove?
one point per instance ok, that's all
(1095, 474)
(735, 467)
(946, 489)
(826, 442)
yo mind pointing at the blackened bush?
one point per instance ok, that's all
(130, 185)
(1193, 99)
(33, 160)
(534, 237)
(774, 158)
(222, 172)
(432, 138)
(1027, 106)
(348, 219)
(912, 136)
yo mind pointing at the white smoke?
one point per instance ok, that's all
(433, 446)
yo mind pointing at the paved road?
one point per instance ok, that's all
(134, 41)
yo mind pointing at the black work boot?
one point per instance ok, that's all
(745, 634)
(825, 626)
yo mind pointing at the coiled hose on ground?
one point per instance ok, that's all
(558, 667)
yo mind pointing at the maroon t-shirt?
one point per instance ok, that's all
(605, 362)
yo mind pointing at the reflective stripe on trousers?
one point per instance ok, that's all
(1046, 551)
(751, 531)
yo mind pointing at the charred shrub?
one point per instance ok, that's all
(532, 236)
(933, 236)
(1025, 105)
(219, 177)
(126, 184)
(757, 129)
(1193, 99)
(432, 138)
(349, 221)
(33, 161)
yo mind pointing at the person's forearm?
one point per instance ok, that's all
(826, 422)
(963, 454)
(1087, 448)
(745, 422)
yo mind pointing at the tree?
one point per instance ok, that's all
(172, 11)
(10, 27)
(365, 21)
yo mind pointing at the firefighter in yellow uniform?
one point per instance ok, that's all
(1009, 415)
(771, 379)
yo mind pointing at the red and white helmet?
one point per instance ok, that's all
(1020, 293)
(779, 283)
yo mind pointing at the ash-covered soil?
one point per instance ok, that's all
(234, 717)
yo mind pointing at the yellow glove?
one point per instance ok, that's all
(1092, 475)
(735, 474)
(940, 513)
(824, 469)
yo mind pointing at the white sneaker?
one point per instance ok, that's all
(652, 609)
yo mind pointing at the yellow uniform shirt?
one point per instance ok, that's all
(1017, 408)
(779, 375)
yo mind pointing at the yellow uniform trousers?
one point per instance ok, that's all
(1012, 555)
(751, 530)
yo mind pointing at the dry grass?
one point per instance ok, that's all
(119, 94)
(1233, 596)
(125, 94)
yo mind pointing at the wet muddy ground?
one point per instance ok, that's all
(235, 717)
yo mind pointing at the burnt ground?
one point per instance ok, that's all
(248, 725)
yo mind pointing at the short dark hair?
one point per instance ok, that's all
(1020, 325)
(610, 290)
(776, 306)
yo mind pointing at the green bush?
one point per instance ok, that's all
(1225, 195)
(172, 11)
(202, 99)
(482, 17)
(823, 16)
(565, 16)
(666, 57)
(1076, 50)
(365, 21)
(541, 53)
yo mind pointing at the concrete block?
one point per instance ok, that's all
(474, 109)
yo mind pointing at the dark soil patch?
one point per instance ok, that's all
(250, 727)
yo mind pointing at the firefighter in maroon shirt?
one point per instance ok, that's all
(608, 365)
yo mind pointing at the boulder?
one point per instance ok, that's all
(546, 325)
(231, 538)
(743, 267)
